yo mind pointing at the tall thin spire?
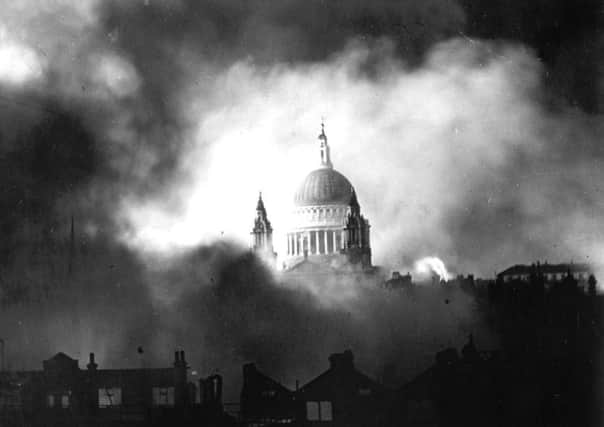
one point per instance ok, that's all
(324, 148)
(260, 206)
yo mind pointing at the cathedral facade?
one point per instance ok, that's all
(328, 231)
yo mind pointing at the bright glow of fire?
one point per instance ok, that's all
(432, 265)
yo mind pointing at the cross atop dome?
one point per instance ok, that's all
(324, 148)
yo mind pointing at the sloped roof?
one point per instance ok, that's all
(60, 361)
(261, 381)
(339, 376)
(307, 266)
(523, 269)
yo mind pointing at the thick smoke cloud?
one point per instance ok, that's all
(154, 124)
(231, 310)
(462, 145)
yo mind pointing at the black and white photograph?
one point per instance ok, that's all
(304, 213)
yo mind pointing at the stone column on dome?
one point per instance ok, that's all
(335, 248)
(316, 240)
(307, 242)
(325, 241)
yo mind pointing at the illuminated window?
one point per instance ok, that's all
(325, 413)
(319, 411)
(50, 401)
(163, 396)
(65, 401)
(312, 411)
(110, 397)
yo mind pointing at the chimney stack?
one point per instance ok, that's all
(91, 364)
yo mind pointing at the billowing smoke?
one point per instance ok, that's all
(155, 124)
(231, 311)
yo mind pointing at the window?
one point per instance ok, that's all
(53, 402)
(312, 411)
(163, 396)
(364, 392)
(110, 397)
(9, 399)
(319, 411)
(325, 411)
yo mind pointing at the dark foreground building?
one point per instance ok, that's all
(341, 396)
(62, 395)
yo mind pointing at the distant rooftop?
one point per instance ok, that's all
(545, 268)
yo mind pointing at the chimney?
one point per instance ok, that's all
(176, 359)
(182, 358)
(91, 364)
(249, 369)
(342, 360)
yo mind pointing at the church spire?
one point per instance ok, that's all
(262, 233)
(324, 148)
(260, 206)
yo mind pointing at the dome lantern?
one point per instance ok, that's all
(324, 148)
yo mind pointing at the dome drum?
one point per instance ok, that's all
(320, 216)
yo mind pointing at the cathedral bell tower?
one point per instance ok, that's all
(262, 234)
(356, 231)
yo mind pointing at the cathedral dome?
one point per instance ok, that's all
(324, 186)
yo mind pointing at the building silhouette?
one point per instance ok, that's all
(62, 394)
(340, 396)
(551, 274)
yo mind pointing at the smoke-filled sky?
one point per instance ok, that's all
(470, 129)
